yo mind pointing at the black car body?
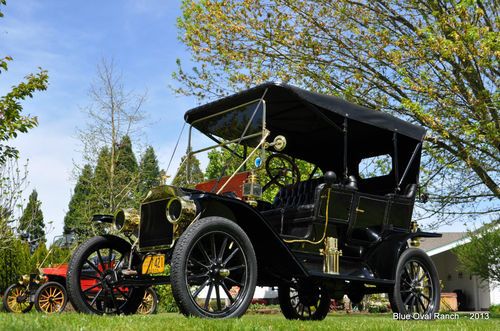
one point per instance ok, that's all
(338, 231)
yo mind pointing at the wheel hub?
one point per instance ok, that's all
(218, 272)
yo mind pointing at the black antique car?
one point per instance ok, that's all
(342, 228)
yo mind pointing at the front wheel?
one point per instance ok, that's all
(93, 277)
(214, 269)
(51, 298)
(16, 299)
(303, 301)
(417, 287)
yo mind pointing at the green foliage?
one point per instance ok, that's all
(149, 172)
(433, 63)
(12, 121)
(31, 223)
(14, 262)
(481, 256)
(166, 298)
(38, 256)
(81, 206)
(495, 309)
(195, 173)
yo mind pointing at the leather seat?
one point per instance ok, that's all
(300, 194)
(293, 202)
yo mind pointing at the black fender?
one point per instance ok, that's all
(274, 259)
(384, 257)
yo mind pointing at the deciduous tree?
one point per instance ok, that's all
(481, 256)
(434, 63)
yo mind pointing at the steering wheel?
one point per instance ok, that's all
(282, 171)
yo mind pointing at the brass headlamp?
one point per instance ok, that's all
(180, 210)
(127, 220)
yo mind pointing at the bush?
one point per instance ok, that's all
(167, 303)
(377, 303)
(495, 309)
(14, 262)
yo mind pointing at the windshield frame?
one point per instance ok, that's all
(263, 134)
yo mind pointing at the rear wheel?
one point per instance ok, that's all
(93, 277)
(214, 269)
(417, 287)
(303, 301)
(51, 298)
(16, 299)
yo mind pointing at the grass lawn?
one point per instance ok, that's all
(166, 321)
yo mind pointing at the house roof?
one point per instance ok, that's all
(448, 241)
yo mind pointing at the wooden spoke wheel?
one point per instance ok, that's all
(214, 269)
(16, 299)
(51, 298)
(417, 288)
(149, 303)
(93, 278)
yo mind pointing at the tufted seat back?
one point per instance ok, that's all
(298, 194)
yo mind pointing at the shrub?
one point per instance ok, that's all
(167, 303)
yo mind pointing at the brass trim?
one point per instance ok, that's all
(360, 210)
(331, 256)
(130, 222)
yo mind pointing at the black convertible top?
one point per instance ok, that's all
(280, 97)
(324, 130)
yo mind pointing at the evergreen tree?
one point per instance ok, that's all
(31, 223)
(126, 175)
(126, 161)
(195, 173)
(81, 206)
(101, 182)
(149, 172)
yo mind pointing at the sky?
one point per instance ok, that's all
(69, 39)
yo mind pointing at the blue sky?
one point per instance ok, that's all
(69, 38)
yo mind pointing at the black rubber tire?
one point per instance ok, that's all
(9, 291)
(75, 268)
(422, 260)
(356, 297)
(41, 291)
(182, 253)
(154, 308)
(291, 312)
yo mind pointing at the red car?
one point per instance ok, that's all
(47, 292)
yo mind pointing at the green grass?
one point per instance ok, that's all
(169, 321)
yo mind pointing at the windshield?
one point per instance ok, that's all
(242, 121)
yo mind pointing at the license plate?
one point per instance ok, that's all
(153, 264)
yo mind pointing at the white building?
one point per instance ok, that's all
(477, 294)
